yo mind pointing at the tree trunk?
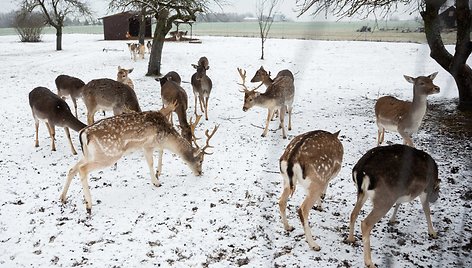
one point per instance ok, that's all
(453, 64)
(58, 38)
(162, 28)
(142, 27)
(262, 48)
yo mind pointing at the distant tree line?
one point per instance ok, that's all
(223, 17)
(7, 20)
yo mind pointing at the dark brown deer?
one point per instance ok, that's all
(401, 116)
(105, 142)
(69, 86)
(311, 159)
(278, 96)
(53, 111)
(201, 85)
(173, 93)
(392, 175)
(109, 95)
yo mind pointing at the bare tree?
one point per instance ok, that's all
(55, 12)
(455, 64)
(264, 19)
(165, 12)
(29, 25)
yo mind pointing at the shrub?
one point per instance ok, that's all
(29, 26)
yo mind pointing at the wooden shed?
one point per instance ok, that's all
(116, 26)
(447, 19)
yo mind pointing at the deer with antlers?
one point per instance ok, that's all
(278, 96)
(106, 141)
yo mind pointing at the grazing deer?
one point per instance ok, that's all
(105, 142)
(69, 86)
(122, 76)
(278, 96)
(263, 76)
(53, 111)
(201, 85)
(312, 159)
(173, 93)
(392, 175)
(401, 116)
(108, 95)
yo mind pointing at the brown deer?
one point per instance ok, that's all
(172, 92)
(278, 96)
(53, 111)
(69, 86)
(122, 76)
(201, 85)
(312, 159)
(263, 76)
(401, 116)
(392, 175)
(105, 142)
(108, 95)
(149, 46)
(133, 50)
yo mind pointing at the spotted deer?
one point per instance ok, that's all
(53, 111)
(69, 86)
(263, 76)
(401, 116)
(278, 96)
(133, 50)
(391, 175)
(172, 92)
(201, 85)
(108, 95)
(122, 76)
(105, 142)
(311, 159)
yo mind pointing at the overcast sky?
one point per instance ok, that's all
(286, 7)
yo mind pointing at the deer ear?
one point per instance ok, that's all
(433, 75)
(409, 79)
(130, 70)
(194, 66)
(119, 67)
(208, 67)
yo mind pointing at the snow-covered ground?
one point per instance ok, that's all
(229, 216)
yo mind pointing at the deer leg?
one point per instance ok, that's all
(283, 204)
(282, 121)
(274, 115)
(150, 162)
(394, 215)
(195, 98)
(318, 205)
(200, 99)
(36, 127)
(361, 198)
(70, 141)
(368, 224)
(380, 135)
(206, 108)
(289, 109)
(266, 129)
(72, 172)
(313, 194)
(427, 212)
(52, 134)
(74, 101)
(90, 116)
(159, 163)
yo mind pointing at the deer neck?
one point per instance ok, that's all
(73, 123)
(418, 107)
(265, 100)
(181, 147)
(268, 81)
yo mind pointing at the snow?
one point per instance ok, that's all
(229, 216)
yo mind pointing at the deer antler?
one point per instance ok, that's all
(207, 145)
(242, 73)
(166, 111)
(193, 125)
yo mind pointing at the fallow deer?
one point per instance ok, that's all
(53, 111)
(312, 159)
(149, 46)
(105, 142)
(278, 96)
(133, 50)
(69, 86)
(263, 76)
(172, 92)
(108, 95)
(401, 116)
(122, 76)
(201, 85)
(392, 175)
